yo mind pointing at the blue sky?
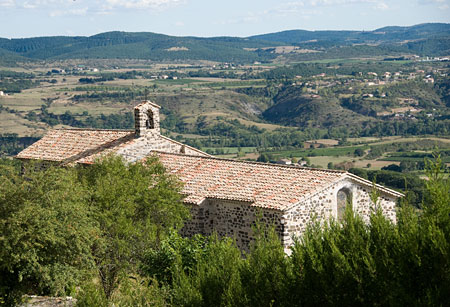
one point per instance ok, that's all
(28, 18)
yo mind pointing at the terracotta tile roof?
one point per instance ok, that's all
(264, 185)
(86, 145)
(68, 145)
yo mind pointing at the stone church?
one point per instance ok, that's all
(224, 195)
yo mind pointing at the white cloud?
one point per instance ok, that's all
(326, 3)
(284, 10)
(431, 1)
(381, 6)
(34, 4)
(179, 24)
(7, 3)
(140, 4)
(72, 12)
(439, 3)
(79, 7)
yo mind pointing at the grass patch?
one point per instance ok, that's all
(324, 160)
(234, 84)
(12, 123)
(229, 150)
(328, 61)
(177, 81)
(334, 151)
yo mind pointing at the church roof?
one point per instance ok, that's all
(62, 145)
(68, 146)
(263, 185)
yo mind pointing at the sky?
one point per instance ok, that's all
(31, 18)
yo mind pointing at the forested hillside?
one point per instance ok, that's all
(425, 39)
(142, 45)
(294, 108)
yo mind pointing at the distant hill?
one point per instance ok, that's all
(8, 58)
(430, 38)
(293, 108)
(433, 46)
(143, 45)
(382, 35)
(424, 39)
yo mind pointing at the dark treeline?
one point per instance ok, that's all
(12, 144)
(405, 128)
(94, 80)
(15, 82)
(401, 148)
(101, 95)
(15, 74)
(16, 85)
(83, 232)
(109, 76)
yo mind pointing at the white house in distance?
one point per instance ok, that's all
(224, 195)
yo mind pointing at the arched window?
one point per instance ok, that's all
(149, 123)
(343, 198)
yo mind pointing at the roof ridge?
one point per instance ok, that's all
(185, 145)
(92, 129)
(380, 187)
(143, 102)
(256, 162)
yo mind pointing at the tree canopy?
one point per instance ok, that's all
(59, 223)
(106, 233)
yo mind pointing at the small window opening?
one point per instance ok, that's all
(149, 123)
(343, 199)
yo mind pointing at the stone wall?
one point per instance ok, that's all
(235, 219)
(323, 205)
(230, 218)
(152, 141)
